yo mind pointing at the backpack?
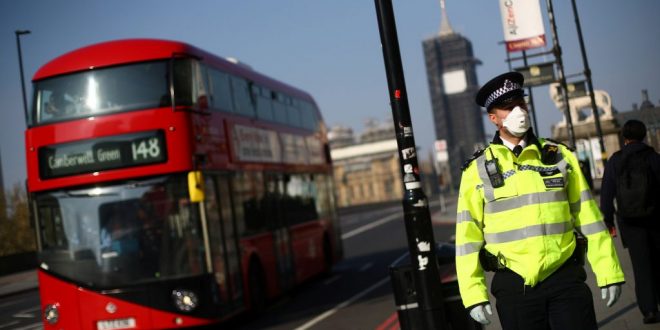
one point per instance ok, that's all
(635, 185)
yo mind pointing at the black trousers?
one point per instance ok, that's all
(643, 243)
(561, 302)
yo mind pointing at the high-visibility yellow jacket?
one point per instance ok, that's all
(529, 221)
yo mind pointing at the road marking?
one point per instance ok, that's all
(7, 325)
(382, 221)
(32, 326)
(367, 266)
(355, 218)
(332, 279)
(328, 313)
(347, 235)
(7, 304)
(392, 322)
(26, 313)
(371, 225)
(396, 262)
(23, 316)
(15, 301)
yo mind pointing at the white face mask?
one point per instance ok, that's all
(517, 122)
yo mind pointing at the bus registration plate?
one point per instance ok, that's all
(128, 323)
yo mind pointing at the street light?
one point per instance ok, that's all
(20, 66)
(417, 218)
(587, 74)
(562, 78)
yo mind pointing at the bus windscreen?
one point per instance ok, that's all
(115, 235)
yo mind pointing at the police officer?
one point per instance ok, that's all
(522, 203)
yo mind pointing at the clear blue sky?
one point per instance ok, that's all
(328, 48)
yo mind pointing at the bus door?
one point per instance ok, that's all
(280, 229)
(224, 245)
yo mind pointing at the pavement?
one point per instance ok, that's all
(624, 315)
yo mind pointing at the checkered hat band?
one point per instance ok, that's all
(507, 87)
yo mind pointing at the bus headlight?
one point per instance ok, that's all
(185, 300)
(51, 314)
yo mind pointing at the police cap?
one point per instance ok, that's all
(500, 90)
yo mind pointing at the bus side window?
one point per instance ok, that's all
(200, 86)
(221, 91)
(308, 116)
(279, 109)
(183, 82)
(300, 199)
(293, 113)
(263, 102)
(242, 99)
(323, 185)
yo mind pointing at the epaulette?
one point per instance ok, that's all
(557, 142)
(475, 155)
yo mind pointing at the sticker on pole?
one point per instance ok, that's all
(408, 153)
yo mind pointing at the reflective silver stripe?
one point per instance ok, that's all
(530, 231)
(585, 196)
(593, 228)
(464, 216)
(520, 201)
(408, 306)
(467, 248)
(562, 165)
(489, 192)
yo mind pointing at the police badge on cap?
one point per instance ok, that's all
(503, 88)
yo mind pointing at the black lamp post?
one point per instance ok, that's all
(590, 86)
(562, 78)
(20, 66)
(417, 217)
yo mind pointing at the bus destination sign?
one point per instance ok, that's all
(104, 153)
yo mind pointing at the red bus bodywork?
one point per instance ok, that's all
(196, 139)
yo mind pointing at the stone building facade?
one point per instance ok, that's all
(367, 170)
(586, 137)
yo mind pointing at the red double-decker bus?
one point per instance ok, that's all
(171, 187)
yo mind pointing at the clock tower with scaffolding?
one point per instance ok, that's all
(452, 78)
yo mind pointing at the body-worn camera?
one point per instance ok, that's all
(494, 174)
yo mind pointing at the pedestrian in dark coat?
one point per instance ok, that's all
(640, 235)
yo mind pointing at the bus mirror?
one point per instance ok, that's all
(195, 186)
